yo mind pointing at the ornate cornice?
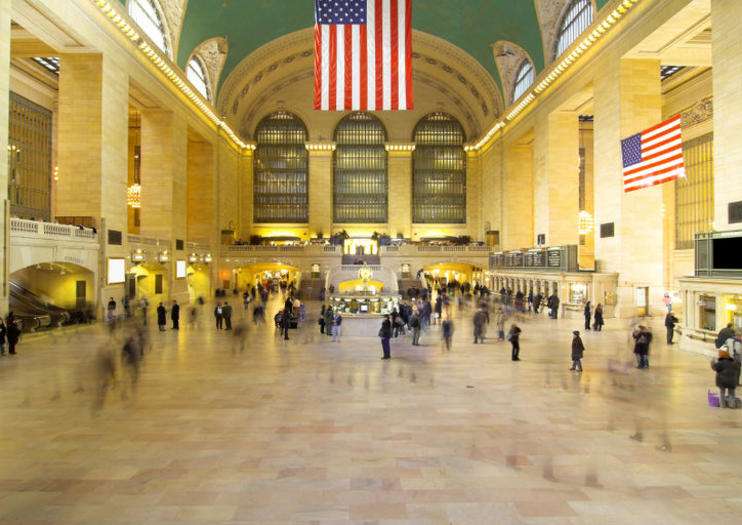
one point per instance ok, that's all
(698, 113)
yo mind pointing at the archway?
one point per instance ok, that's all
(199, 281)
(269, 274)
(441, 274)
(51, 294)
(149, 280)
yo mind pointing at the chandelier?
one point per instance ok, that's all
(134, 195)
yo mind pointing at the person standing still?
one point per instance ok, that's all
(598, 326)
(479, 319)
(328, 321)
(337, 319)
(513, 337)
(670, 322)
(227, 315)
(175, 315)
(285, 323)
(321, 320)
(3, 333)
(415, 325)
(161, 317)
(642, 337)
(578, 348)
(588, 314)
(385, 333)
(218, 316)
(727, 372)
(14, 332)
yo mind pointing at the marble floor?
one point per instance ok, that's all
(307, 431)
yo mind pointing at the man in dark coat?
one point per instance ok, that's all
(227, 315)
(537, 302)
(175, 315)
(385, 333)
(553, 305)
(670, 321)
(286, 323)
(480, 318)
(14, 332)
(642, 337)
(161, 317)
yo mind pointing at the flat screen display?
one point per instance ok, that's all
(116, 271)
(180, 269)
(727, 252)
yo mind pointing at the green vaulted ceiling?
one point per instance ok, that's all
(472, 25)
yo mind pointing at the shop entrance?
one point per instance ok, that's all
(642, 301)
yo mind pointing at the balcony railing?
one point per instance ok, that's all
(51, 230)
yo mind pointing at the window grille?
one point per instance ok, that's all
(281, 173)
(360, 170)
(145, 14)
(29, 158)
(523, 79)
(50, 63)
(577, 18)
(439, 171)
(694, 194)
(196, 74)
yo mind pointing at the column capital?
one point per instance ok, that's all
(403, 149)
(317, 149)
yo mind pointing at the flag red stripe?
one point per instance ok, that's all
(379, 21)
(653, 183)
(333, 65)
(677, 147)
(317, 66)
(394, 35)
(408, 52)
(668, 160)
(654, 173)
(665, 123)
(647, 147)
(364, 70)
(348, 66)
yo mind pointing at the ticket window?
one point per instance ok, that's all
(733, 310)
(577, 293)
(707, 312)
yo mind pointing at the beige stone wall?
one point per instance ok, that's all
(727, 71)
(400, 193)
(320, 193)
(517, 196)
(201, 195)
(4, 87)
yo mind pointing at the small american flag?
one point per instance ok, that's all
(653, 156)
(363, 55)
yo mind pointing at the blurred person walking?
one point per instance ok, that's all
(670, 322)
(447, 327)
(598, 325)
(578, 348)
(227, 315)
(480, 318)
(3, 334)
(219, 316)
(642, 337)
(727, 372)
(588, 315)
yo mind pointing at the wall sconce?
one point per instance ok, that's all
(207, 258)
(137, 256)
(164, 256)
(134, 195)
(584, 223)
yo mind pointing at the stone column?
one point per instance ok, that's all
(4, 93)
(92, 152)
(201, 191)
(556, 188)
(474, 196)
(517, 227)
(726, 42)
(320, 192)
(628, 100)
(400, 193)
(164, 187)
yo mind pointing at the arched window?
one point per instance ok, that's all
(439, 171)
(145, 14)
(281, 175)
(360, 170)
(523, 79)
(196, 74)
(576, 18)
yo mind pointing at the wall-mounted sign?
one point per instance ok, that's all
(116, 271)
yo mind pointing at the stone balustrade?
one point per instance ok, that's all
(50, 230)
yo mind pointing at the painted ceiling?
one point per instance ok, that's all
(472, 25)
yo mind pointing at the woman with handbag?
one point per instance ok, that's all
(513, 336)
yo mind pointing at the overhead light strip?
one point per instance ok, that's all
(578, 49)
(162, 64)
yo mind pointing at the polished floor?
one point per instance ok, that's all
(307, 431)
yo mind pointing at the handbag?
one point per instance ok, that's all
(381, 332)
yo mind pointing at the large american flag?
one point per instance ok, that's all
(363, 55)
(653, 156)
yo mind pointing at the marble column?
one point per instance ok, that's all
(201, 193)
(400, 193)
(4, 93)
(628, 99)
(93, 124)
(517, 230)
(556, 168)
(164, 188)
(726, 42)
(320, 192)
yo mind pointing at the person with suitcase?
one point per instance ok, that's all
(727, 370)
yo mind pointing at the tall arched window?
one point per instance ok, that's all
(360, 170)
(280, 179)
(196, 75)
(439, 171)
(577, 17)
(523, 79)
(145, 14)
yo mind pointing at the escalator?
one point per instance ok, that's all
(32, 311)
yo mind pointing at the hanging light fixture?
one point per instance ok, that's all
(584, 223)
